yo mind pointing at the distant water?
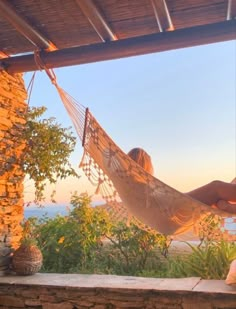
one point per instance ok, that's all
(50, 211)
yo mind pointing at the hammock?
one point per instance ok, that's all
(128, 188)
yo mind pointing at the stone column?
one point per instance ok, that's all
(12, 120)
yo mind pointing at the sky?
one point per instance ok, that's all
(180, 106)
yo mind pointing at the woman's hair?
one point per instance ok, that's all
(142, 158)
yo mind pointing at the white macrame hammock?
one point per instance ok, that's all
(126, 186)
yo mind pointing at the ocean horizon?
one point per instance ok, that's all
(50, 210)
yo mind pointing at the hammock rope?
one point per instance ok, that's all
(153, 204)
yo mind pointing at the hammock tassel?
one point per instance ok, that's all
(100, 181)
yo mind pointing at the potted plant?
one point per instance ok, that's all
(27, 259)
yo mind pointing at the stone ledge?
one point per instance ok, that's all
(73, 291)
(193, 284)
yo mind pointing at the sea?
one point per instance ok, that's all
(50, 210)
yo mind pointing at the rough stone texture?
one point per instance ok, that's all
(56, 291)
(12, 120)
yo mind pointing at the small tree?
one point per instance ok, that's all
(133, 247)
(48, 148)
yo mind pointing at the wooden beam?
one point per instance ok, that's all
(97, 20)
(32, 35)
(162, 15)
(153, 43)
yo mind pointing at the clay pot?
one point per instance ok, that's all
(27, 260)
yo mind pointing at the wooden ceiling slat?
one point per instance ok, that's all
(231, 9)
(199, 15)
(66, 25)
(130, 27)
(32, 35)
(97, 20)
(118, 10)
(11, 41)
(162, 15)
(60, 21)
(159, 42)
(183, 5)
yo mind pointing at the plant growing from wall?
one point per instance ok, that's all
(48, 149)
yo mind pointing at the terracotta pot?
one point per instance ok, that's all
(27, 260)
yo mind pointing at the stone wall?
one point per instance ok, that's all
(62, 291)
(12, 112)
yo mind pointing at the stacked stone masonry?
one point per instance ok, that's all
(60, 291)
(12, 120)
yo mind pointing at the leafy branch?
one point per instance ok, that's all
(48, 149)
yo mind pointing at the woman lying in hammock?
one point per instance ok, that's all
(218, 193)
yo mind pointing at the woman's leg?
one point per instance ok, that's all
(214, 191)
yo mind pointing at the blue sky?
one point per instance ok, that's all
(178, 105)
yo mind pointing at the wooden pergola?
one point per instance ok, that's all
(73, 32)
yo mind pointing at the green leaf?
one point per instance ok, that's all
(47, 152)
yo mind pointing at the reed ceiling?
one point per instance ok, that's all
(57, 26)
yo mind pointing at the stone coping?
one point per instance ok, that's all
(192, 284)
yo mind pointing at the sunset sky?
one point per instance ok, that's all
(178, 105)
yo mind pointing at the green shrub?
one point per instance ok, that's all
(72, 242)
(210, 260)
(134, 251)
(85, 241)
